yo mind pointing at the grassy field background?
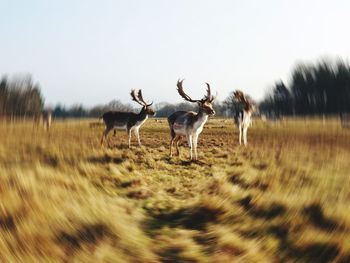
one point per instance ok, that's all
(283, 198)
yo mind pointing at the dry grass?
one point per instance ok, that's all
(284, 198)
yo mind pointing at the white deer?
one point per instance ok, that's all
(190, 124)
(243, 117)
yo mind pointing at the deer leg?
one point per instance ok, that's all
(137, 133)
(173, 135)
(129, 138)
(104, 134)
(245, 135)
(240, 135)
(195, 141)
(171, 147)
(177, 145)
(190, 144)
(173, 139)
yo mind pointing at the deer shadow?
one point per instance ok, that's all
(105, 159)
(194, 218)
(87, 234)
(317, 217)
(265, 212)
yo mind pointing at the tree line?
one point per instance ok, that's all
(320, 88)
(20, 97)
(314, 89)
(162, 109)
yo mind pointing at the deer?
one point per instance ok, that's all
(190, 124)
(47, 119)
(243, 117)
(43, 118)
(128, 121)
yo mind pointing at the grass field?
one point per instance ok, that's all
(283, 198)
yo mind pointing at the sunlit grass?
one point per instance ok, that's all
(282, 198)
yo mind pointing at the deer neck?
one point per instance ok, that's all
(201, 117)
(142, 115)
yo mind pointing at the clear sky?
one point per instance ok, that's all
(91, 52)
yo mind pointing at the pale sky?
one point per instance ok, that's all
(91, 52)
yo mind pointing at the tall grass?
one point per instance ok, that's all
(283, 198)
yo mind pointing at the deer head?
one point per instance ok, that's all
(241, 98)
(205, 104)
(137, 97)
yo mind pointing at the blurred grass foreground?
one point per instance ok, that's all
(283, 198)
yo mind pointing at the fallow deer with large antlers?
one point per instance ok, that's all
(128, 121)
(243, 117)
(190, 124)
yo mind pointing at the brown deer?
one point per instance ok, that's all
(190, 124)
(243, 117)
(128, 121)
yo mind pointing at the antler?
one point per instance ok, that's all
(240, 97)
(135, 97)
(139, 95)
(180, 90)
(209, 96)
